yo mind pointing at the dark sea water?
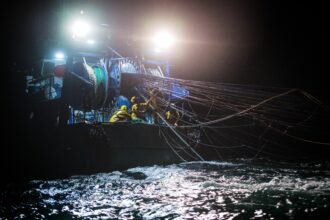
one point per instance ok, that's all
(240, 189)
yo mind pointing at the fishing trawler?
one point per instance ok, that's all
(73, 97)
(75, 93)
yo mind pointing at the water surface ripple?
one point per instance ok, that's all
(238, 189)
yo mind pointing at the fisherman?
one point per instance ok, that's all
(121, 115)
(139, 109)
(156, 104)
(172, 116)
(136, 115)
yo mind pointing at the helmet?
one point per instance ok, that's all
(123, 108)
(134, 107)
(133, 99)
(167, 115)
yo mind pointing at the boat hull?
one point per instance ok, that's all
(83, 149)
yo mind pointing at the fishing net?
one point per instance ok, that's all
(232, 120)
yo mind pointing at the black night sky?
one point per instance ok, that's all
(273, 43)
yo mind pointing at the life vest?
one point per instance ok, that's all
(138, 110)
(120, 115)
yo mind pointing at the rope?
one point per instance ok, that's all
(174, 131)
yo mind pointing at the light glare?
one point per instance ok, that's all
(91, 42)
(80, 29)
(163, 40)
(59, 55)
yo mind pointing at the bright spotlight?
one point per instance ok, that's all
(80, 29)
(59, 55)
(163, 40)
(91, 42)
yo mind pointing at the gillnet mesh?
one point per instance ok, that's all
(233, 120)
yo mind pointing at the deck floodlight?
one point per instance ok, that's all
(80, 29)
(59, 55)
(163, 40)
(90, 42)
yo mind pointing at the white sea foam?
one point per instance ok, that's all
(194, 190)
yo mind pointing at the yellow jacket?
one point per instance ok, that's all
(120, 115)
